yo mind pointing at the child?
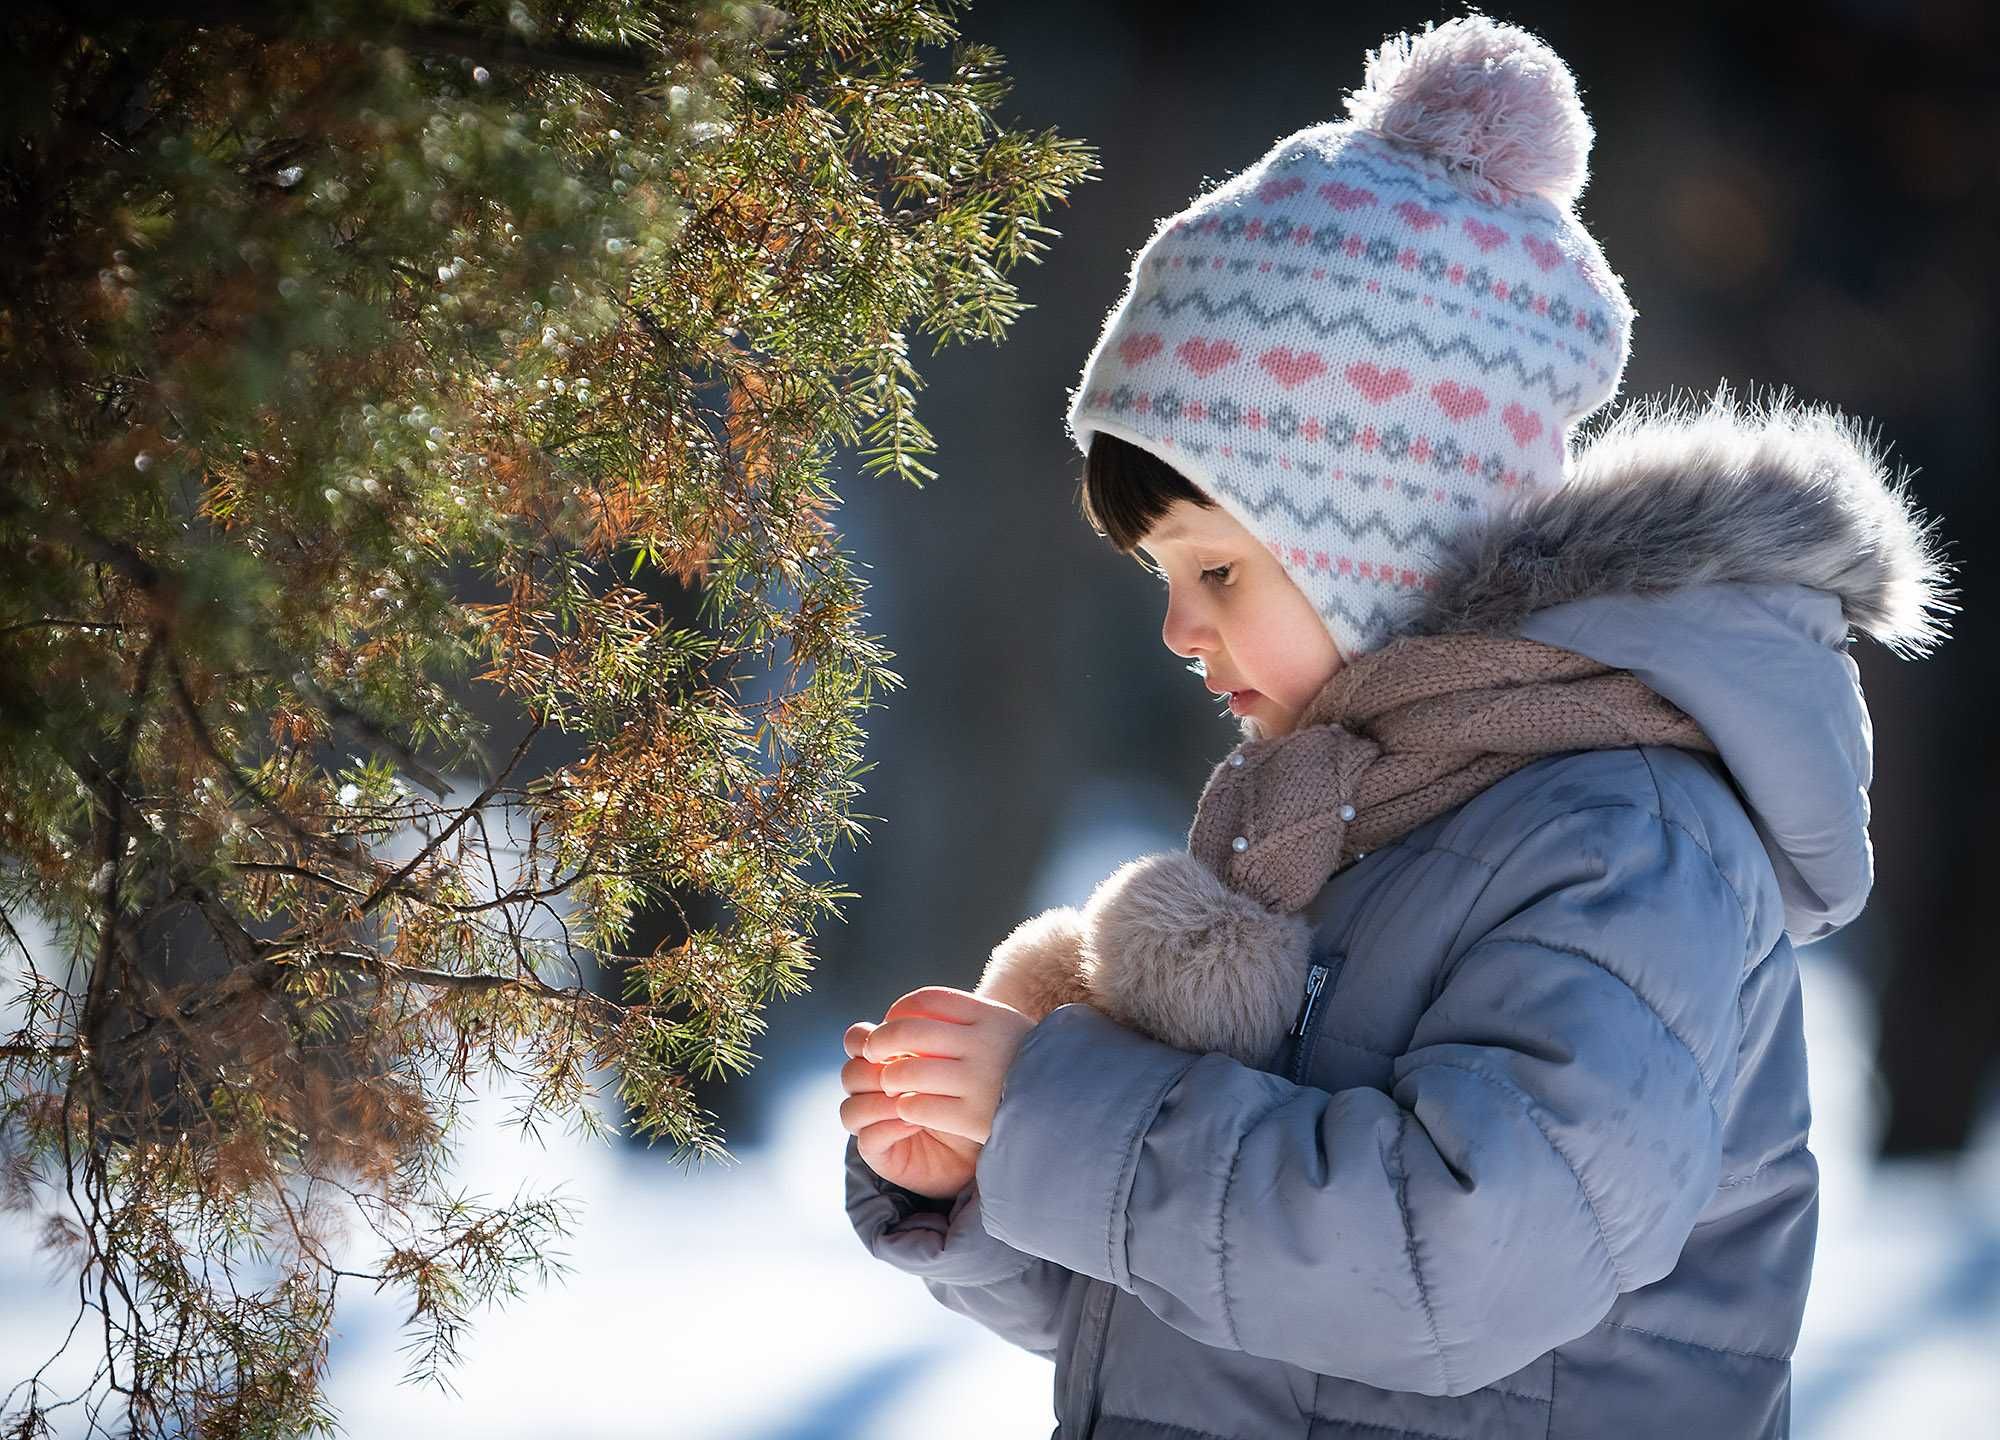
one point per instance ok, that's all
(1452, 1083)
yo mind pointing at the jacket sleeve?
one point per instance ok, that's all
(1017, 1296)
(1550, 1134)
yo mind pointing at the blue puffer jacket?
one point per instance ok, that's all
(1535, 1160)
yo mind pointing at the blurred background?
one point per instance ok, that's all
(1799, 196)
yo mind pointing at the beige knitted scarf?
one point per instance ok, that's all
(1402, 735)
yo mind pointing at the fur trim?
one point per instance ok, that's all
(1038, 966)
(1669, 496)
(1171, 951)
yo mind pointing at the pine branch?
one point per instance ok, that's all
(454, 39)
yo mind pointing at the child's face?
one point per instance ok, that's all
(1230, 603)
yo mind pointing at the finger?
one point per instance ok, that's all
(857, 1034)
(925, 1073)
(859, 1075)
(883, 1135)
(938, 1112)
(915, 1037)
(938, 1002)
(858, 1112)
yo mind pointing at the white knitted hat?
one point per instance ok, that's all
(1383, 330)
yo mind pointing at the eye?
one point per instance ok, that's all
(1220, 574)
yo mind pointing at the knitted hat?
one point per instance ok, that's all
(1384, 329)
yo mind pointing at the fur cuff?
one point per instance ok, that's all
(1039, 966)
(1165, 948)
(1173, 952)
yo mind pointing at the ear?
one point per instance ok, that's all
(1037, 967)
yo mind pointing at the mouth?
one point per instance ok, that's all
(1239, 699)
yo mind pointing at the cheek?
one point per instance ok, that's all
(1289, 676)
(1259, 657)
(1292, 654)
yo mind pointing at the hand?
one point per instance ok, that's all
(930, 1162)
(943, 1054)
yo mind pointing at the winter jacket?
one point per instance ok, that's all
(1533, 1160)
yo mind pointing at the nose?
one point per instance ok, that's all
(1187, 630)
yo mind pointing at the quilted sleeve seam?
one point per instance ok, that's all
(1563, 948)
(1410, 1249)
(1528, 1109)
(1222, 1222)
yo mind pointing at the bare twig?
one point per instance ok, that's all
(39, 1052)
(388, 887)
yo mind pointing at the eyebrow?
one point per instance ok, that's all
(1169, 532)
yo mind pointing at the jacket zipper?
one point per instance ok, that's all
(1315, 984)
(1087, 1407)
(1083, 1406)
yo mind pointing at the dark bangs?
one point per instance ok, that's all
(1126, 489)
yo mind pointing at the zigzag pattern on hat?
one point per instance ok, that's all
(1244, 305)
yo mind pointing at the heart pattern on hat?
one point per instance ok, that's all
(1460, 402)
(1346, 197)
(1290, 369)
(1418, 217)
(1525, 424)
(1485, 236)
(1547, 253)
(1377, 385)
(1138, 349)
(1205, 357)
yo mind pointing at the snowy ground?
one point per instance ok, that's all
(735, 1300)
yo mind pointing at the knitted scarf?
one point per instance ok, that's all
(1204, 949)
(1402, 735)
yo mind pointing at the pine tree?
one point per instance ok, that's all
(362, 358)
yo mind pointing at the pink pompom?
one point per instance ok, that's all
(1485, 97)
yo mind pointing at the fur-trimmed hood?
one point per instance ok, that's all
(1720, 553)
(1670, 496)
